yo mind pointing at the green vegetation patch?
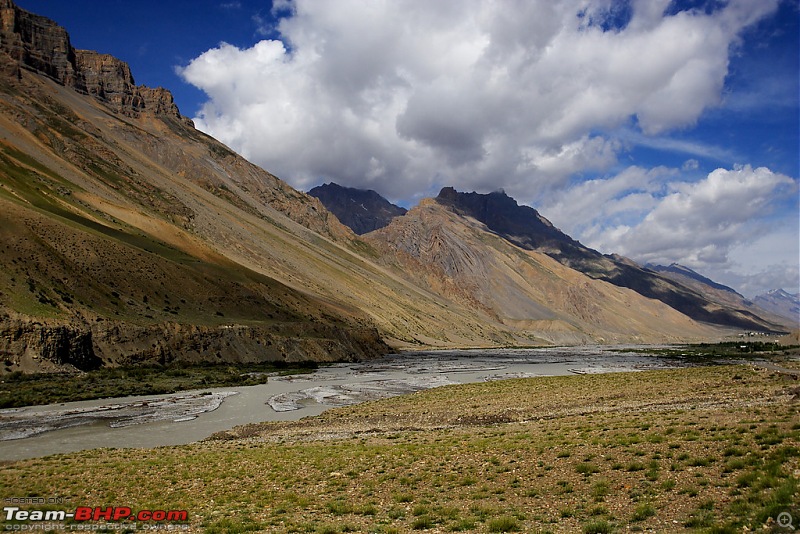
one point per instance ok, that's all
(18, 389)
(706, 353)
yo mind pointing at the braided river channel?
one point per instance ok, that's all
(185, 417)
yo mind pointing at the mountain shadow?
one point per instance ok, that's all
(526, 228)
(361, 210)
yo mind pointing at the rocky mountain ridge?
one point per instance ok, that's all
(526, 228)
(723, 295)
(38, 43)
(460, 258)
(682, 272)
(127, 236)
(361, 210)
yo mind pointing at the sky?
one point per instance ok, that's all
(663, 130)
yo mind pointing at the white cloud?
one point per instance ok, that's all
(714, 224)
(690, 165)
(768, 262)
(678, 146)
(593, 207)
(406, 95)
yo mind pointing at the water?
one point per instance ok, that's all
(186, 417)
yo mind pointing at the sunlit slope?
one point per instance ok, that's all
(130, 236)
(462, 259)
(149, 197)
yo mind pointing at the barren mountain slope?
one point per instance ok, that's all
(459, 257)
(525, 227)
(720, 294)
(116, 209)
(783, 304)
(130, 236)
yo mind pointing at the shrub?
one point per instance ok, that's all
(504, 524)
(422, 523)
(598, 527)
(643, 511)
(587, 469)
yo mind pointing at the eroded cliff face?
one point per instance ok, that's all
(38, 345)
(37, 43)
(30, 345)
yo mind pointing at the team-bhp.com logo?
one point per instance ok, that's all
(95, 514)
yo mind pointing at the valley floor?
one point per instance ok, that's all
(709, 448)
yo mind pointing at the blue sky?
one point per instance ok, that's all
(155, 37)
(664, 130)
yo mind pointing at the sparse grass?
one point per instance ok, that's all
(598, 527)
(587, 469)
(643, 511)
(400, 464)
(504, 524)
(600, 490)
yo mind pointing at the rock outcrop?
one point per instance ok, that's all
(38, 43)
(361, 210)
(36, 345)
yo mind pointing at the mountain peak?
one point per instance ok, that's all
(526, 228)
(448, 193)
(363, 210)
(782, 303)
(36, 43)
(523, 225)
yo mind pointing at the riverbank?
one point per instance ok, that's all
(180, 418)
(21, 390)
(666, 450)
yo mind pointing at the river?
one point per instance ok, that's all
(186, 417)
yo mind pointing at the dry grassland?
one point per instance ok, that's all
(713, 449)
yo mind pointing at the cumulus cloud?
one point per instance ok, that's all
(533, 96)
(408, 95)
(597, 210)
(709, 225)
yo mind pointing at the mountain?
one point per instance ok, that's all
(525, 227)
(686, 275)
(129, 237)
(36, 43)
(361, 210)
(781, 303)
(461, 258)
(108, 197)
(720, 294)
